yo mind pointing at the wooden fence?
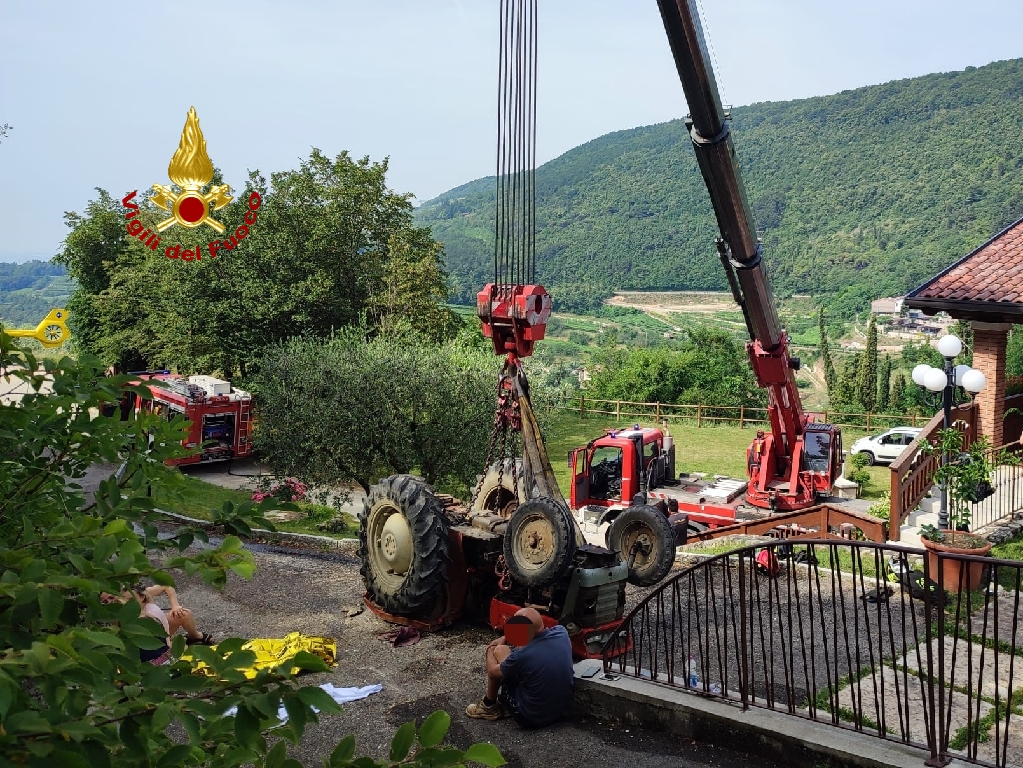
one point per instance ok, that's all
(725, 414)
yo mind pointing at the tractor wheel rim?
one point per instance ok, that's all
(534, 543)
(638, 534)
(391, 548)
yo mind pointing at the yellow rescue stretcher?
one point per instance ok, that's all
(275, 652)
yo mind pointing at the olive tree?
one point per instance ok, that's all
(352, 409)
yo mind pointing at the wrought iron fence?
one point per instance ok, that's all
(855, 634)
(1007, 483)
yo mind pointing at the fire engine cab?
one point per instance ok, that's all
(611, 470)
(221, 416)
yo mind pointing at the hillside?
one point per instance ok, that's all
(858, 195)
(28, 291)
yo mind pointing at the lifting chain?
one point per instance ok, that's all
(504, 577)
(498, 430)
(507, 422)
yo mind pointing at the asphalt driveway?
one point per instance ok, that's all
(312, 593)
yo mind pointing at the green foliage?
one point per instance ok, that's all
(706, 367)
(882, 509)
(356, 409)
(28, 291)
(866, 385)
(73, 690)
(898, 399)
(884, 383)
(859, 473)
(914, 354)
(431, 751)
(1014, 354)
(331, 245)
(964, 473)
(825, 353)
(964, 330)
(857, 195)
(845, 389)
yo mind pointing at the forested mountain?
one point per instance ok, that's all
(29, 290)
(857, 195)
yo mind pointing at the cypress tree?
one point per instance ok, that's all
(845, 386)
(825, 352)
(866, 386)
(898, 394)
(884, 385)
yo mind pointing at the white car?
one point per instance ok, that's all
(885, 447)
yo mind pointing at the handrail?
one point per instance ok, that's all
(853, 634)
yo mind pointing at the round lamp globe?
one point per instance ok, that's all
(919, 373)
(974, 381)
(950, 345)
(935, 380)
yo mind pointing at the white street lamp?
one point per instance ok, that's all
(945, 380)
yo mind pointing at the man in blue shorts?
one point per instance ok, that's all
(529, 673)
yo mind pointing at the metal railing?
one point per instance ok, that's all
(830, 638)
(1007, 482)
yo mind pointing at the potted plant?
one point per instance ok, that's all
(966, 477)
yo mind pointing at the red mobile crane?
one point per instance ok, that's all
(800, 459)
(427, 558)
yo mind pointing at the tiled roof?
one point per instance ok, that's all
(993, 274)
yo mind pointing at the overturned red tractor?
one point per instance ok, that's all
(428, 559)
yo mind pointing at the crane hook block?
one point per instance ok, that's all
(513, 316)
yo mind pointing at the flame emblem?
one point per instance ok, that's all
(191, 169)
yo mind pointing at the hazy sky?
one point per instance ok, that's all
(98, 92)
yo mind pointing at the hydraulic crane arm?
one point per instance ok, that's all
(740, 252)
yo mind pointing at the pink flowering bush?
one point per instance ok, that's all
(287, 490)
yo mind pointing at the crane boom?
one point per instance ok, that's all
(781, 474)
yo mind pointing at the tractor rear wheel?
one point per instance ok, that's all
(495, 488)
(403, 543)
(539, 545)
(643, 536)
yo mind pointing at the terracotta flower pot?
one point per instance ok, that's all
(950, 575)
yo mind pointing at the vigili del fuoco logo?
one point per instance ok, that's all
(190, 170)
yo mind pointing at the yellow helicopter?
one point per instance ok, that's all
(51, 332)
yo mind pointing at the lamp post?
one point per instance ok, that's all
(947, 380)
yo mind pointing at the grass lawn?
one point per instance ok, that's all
(197, 498)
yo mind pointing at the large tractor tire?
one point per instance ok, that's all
(539, 545)
(495, 490)
(643, 536)
(403, 538)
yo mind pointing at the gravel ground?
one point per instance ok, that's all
(311, 593)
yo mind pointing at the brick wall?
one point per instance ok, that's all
(989, 340)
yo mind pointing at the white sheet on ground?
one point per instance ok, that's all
(340, 695)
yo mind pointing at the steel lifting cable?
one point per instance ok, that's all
(515, 215)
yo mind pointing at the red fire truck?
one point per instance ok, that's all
(221, 416)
